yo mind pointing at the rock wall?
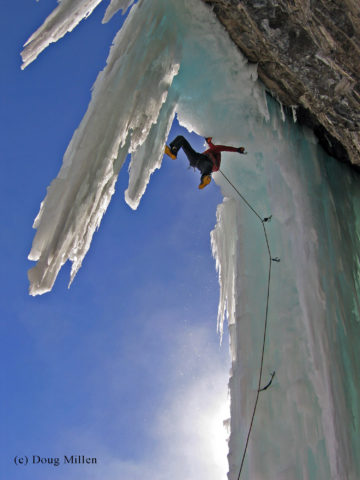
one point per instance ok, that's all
(308, 56)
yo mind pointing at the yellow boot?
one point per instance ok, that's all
(169, 152)
(206, 179)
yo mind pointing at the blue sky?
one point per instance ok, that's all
(117, 366)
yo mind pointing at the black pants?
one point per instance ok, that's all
(197, 160)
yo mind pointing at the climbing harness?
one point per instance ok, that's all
(271, 259)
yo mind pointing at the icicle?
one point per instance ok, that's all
(149, 156)
(114, 7)
(282, 111)
(66, 16)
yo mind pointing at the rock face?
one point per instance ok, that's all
(308, 56)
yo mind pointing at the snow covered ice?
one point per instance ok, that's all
(307, 424)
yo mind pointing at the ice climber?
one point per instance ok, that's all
(207, 162)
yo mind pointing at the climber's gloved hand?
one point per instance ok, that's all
(242, 150)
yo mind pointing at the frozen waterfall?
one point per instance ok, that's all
(173, 57)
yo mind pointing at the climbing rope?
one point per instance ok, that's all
(276, 259)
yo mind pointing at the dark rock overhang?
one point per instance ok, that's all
(308, 57)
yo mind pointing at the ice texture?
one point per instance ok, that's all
(307, 424)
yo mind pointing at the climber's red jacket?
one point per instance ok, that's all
(214, 153)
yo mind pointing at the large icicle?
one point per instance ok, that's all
(66, 16)
(149, 156)
(118, 120)
(225, 245)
